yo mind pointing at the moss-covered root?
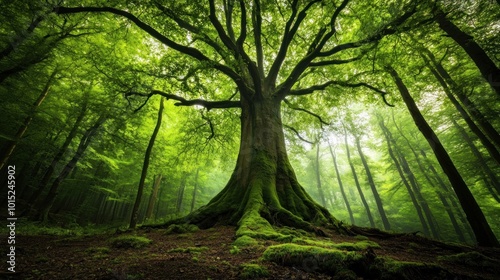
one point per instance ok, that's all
(350, 265)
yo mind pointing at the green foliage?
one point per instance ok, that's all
(253, 271)
(130, 241)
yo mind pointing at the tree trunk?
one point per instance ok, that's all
(444, 79)
(262, 190)
(52, 194)
(486, 66)
(10, 145)
(55, 161)
(145, 165)
(341, 186)
(195, 189)
(318, 177)
(416, 205)
(369, 176)
(153, 197)
(493, 184)
(484, 234)
(356, 181)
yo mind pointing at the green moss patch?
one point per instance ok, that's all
(350, 265)
(98, 250)
(472, 259)
(182, 228)
(189, 250)
(253, 271)
(348, 246)
(130, 241)
(245, 241)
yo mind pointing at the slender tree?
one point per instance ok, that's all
(482, 231)
(153, 197)
(147, 156)
(341, 186)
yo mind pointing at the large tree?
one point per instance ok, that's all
(269, 51)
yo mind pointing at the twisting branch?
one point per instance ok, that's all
(323, 86)
(306, 111)
(190, 51)
(297, 133)
(184, 102)
(209, 122)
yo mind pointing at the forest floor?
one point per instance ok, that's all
(211, 254)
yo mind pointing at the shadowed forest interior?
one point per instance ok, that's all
(285, 127)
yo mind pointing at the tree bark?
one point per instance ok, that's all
(378, 200)
(195, 189)
(341, 186)
(153, 197)
(356, 181)
(488, 69)
(10, 145)
(482, 230)
(145, 166)
(52, 194)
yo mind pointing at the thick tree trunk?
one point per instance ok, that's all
(147, 155)
(482, 230)
(10, 145)
(52, 194)
(488, 69)
(341, 186)
(262, 191)
(378, 200)
(356, 181)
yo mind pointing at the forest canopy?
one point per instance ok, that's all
(258, 114)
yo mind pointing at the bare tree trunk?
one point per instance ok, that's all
(378, 200)
(195, 189)
(145, 165)
(10, 145)
(482, 230)
(356, 181)
(153, 197)
(339, 180)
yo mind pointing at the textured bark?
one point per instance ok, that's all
(263, 190)
(147, 156)
(10, 145)
(482, 230)
(486, 66)
(356, 181)
(341, 186)
(378, 200)
(153, 197)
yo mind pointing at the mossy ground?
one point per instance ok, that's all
(206, 254)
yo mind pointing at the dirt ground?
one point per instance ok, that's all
(55, 257)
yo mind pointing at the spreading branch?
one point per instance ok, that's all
(323, 86)
(185, 102)
(306, 111)
(190, 51)
(298, 134)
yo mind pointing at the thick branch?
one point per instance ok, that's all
(323, 86)
(297, 133)
(257, 32)
(306, 111)
(193, 52)
(184, 102)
